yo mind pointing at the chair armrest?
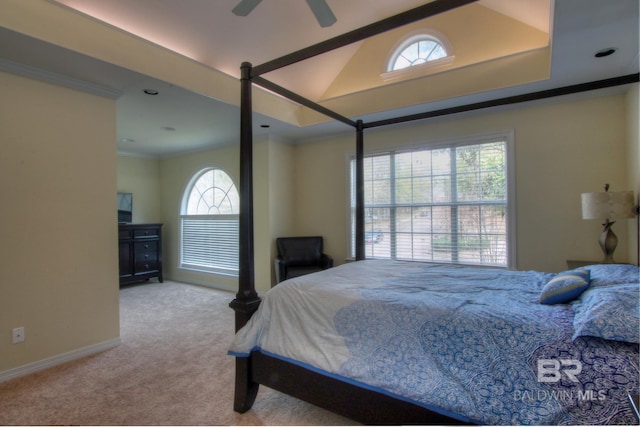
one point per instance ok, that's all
(326, 261)
(281, 270)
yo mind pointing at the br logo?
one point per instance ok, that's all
(552, 370)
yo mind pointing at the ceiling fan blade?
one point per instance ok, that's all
(245, 7)
(323, 12)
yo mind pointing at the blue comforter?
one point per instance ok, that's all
(471, 343)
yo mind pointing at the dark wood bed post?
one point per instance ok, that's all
(247, 300)
(360, 248)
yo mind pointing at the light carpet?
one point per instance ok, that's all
(171, 369)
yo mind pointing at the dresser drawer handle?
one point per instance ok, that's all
(146, 266)
(146, 246)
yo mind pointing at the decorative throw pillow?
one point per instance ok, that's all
(565, 287)
(610, 313)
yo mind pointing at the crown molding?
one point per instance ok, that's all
(58, 79)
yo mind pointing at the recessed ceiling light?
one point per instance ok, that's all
(605, 52)
(150, 91)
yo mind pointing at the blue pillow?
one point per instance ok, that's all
(611, 274)
(565, 287)
(611, 313)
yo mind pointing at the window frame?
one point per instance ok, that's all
(184, 217)
(389, 73)
(506, 136)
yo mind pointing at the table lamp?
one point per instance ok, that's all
(608, 205)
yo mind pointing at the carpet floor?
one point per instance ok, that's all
(171, 369)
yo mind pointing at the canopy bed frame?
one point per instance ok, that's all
(343, 398)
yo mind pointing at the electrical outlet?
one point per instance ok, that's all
(18, 335)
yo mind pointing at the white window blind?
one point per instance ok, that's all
(445, 204)
(210, 243)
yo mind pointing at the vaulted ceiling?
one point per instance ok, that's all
(501, 48)
(208, 32)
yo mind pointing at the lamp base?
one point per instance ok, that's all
(608, 242)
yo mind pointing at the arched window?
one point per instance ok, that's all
(416, 50)
(209, 223)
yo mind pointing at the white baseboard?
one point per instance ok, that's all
(49, 362)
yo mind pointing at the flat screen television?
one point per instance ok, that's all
(125, 207)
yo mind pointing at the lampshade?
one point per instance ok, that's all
(607, 205)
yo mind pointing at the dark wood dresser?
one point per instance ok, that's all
(140, 247)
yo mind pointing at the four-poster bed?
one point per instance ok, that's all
(349, 398)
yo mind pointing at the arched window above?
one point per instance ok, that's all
(416, 50)
(213, 193)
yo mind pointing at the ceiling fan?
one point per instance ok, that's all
(320, 9)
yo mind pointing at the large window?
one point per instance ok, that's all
(209, 223)
(448, 203)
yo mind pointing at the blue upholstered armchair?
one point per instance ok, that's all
(300, 255)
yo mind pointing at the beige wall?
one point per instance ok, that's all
(561, 150)
(141, 177)
(58, 257)
(282, 184)
(321, 193)
(633, 160)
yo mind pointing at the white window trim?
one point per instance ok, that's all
(408, 39)
(417, 70)
(508, 136)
